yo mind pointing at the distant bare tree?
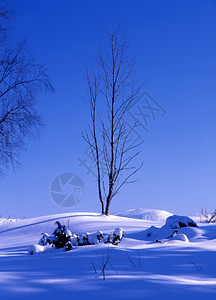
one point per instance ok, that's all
(112, 90)
(21, 80)
(208, 218)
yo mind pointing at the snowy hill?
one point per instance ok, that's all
(139, 268)
(29, 230)
(146, 214)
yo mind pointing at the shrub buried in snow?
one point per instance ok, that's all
(176, 222)
(171, 229)
(63, 238)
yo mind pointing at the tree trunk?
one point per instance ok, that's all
(109, 198)
(102, 207)
(107, 207)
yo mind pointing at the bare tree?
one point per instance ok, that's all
(112, 90)
(208, 218)
(21, 80)
(6, 17)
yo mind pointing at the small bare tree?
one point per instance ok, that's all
(208, 218)
(21, 80)
(112, 90)
(103, 261)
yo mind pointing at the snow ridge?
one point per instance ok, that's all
(146, 214)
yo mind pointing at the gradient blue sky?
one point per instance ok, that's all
(175, 46)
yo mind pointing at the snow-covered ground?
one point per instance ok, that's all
(138, 268)
(7, 220)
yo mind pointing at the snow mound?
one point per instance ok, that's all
(177, 222)
(180, 237)
(33, 249)
(146, 214)
(174, 229)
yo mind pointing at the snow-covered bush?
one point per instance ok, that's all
(171, 230)
(63, 238)
(74, 240)
(94, 238)
(180, 237)
(43, 240)
(176, 222)
(60, 238)
(116, 236)
(89, 238)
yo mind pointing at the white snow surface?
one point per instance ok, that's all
(180, 237)
(146, 214)
(7, 220)
(138, 268)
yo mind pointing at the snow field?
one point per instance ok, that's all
(138, 268)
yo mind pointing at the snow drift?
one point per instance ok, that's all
(146, 214)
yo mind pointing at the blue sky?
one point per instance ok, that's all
(175, 46)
